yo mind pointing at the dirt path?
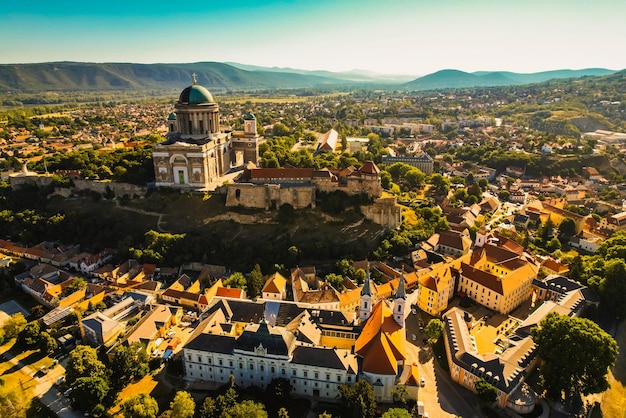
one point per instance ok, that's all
(144, 212)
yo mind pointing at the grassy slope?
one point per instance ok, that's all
(614, 400)
(309, 230)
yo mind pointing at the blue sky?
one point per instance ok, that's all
(393, 36)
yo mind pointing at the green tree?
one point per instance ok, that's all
(358, 399)
(237, 280)
(76, 284)
(397, 413)
(283, 413)
(399, 393)
(440, 184)
(255, 282)
(14, 325)
(553, 245)
(324, 415)
(247, 409)
(487, 393)
(576, 355)
(128, 363)
(335, 280)
(88, 392)
(504, 195)
(208, 408)
(83, 362)
(610, 282)
(30, 334)
(47, 343)
(359, 276)
(140, 405)
(13, 403)
(433, 330)
(280, 129)
(567, 227)
(183, 405)
(226, 401)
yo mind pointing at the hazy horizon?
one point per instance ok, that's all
(402, 37)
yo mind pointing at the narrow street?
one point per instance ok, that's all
(441, 396)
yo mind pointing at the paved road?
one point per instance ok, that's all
(441, 396)
(45, 389)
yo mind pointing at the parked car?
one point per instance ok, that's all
(60, 380)
(423, 382)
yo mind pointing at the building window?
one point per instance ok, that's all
(230, 363)
(306, 373)
(251, 366)
(273, 370)
(241, 365)
(294, 372)
(349, 378)
(262, 368)
(327, 376)
(317, 375)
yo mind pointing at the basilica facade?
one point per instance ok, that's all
(196, 151)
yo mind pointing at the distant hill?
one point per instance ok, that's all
(352, 75)
(77, 76)
(221, 77)
(445, 79)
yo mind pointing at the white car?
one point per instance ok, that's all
(423, 382)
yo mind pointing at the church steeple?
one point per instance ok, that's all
(399, 302)
(365, 309)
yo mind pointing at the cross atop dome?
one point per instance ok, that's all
(194, 75)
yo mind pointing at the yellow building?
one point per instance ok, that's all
(436, 287)
(497, 278)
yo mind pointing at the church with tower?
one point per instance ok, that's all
(316, 349)
(197, 152)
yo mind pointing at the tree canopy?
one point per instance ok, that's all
(183, 405)
(140, 405)
(576, 355)
(358, 399)
(487, 392)
(433, 329)
(83, 362)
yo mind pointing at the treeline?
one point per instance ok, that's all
(129, 165)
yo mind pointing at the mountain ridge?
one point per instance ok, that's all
(221, 77)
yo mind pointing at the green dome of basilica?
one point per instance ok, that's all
(195, 95)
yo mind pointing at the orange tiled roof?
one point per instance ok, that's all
(275, 284)
(382, 342)
(229, 292)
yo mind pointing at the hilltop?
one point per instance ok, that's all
(40, 79)
(445, 79)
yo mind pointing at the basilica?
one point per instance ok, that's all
(197, 152)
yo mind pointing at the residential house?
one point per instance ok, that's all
(328, 141)
(153, 328)
(551, 266)
(275, 287)
(614, 223)
(186, 292)
(449, 243)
